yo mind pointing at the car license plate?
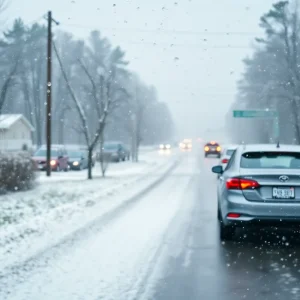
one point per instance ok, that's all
(213, 149)
(283, 193)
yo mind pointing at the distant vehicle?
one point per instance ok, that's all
(226, 153)
(59, 158)
(260, 186)
(78, 159)
(165, 146)
(85, 148)
(186, 144)
(114, 151)
(212, 148)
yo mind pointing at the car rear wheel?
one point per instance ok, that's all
(226, 232)
(219, 214)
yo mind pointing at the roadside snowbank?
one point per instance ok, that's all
(34, 220)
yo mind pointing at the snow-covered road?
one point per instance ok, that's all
(110, 260)
(33, 220)
(162, 244)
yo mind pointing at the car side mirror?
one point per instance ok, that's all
(217, 169)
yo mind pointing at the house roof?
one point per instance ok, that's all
(6, 121)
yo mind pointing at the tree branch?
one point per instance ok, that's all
(76, 101)
(94, 88)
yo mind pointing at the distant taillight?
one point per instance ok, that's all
(233, 215)
(225, 161)
(241, 184)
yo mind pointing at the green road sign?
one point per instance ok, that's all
(260, 114)
(254, 114)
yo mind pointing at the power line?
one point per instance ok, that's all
(163, 31)
(157, 44)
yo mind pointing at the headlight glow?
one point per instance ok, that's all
(168, 146)
(161, 146)
(53, 162)
(75, 163)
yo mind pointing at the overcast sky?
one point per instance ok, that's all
(191, 50)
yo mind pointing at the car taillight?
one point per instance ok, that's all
(233, 215)
(241, 184)
(225, 161)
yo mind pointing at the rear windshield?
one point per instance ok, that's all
(43, 153)
(271, 160)
(111, 146)
(229, 152)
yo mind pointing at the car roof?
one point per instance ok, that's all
(230, 147)
(53, 146)
(269, 147)
(212, 143)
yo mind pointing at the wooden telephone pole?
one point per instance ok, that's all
(49, 90)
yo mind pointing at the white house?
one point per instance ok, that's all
(15, 132)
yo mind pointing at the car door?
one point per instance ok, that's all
(85, 159)
(222, 181)
(120, 152)
(65, 158)
(60, 158)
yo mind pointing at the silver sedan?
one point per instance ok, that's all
(259, 186)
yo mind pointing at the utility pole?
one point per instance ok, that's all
(49, 90)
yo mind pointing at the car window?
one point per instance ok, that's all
(43, 152)
(271, 160)
(231, 160)
(229, 152)
(110, 146)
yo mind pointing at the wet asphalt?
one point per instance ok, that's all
(257, 264)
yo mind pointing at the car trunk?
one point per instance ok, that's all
(276, 185)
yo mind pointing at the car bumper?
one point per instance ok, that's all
(259, 212)
(44, 168)
(212, 152)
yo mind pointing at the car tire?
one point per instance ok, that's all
(219, 214)
(226, 232)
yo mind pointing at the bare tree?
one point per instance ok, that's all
(7, 82)
(104, 105)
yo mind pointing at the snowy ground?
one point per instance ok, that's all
(32, 221)
(110, 260)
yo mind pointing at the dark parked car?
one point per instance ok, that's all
(114, 151)
(212, 148)
(59, 158)
(78, 159)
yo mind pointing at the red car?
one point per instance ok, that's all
(59, 158)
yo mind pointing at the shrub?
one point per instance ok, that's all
(17, 171)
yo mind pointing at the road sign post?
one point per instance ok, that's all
(262, 114)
